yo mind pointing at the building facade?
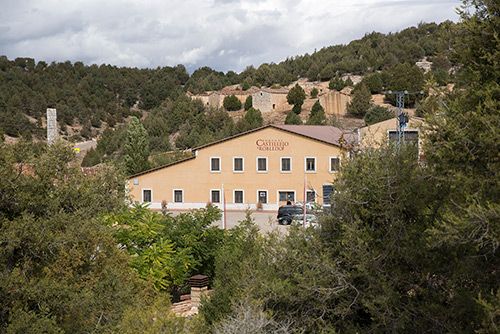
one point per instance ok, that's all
(267, 100)
(334, 102)
(271, 165)
(376, 134)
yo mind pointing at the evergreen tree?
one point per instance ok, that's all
(248, 102)
(252, 120)
(361, 101)
(378, 114)
(336, 83)
(136, 148)
(293, 119)
(231, 103)
(314, 92)
(317, 116)
(296, 97)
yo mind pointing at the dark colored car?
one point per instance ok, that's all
(287, 212)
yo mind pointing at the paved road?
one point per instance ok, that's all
(85, 145)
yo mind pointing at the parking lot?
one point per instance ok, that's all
(266, 220)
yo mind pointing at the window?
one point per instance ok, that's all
(215, 196)
(238, 196)
(327, 193)
(286, 196)
(334, 164)
(178, 196)
(215, 164)
(262, 194)
(410, 136)
(286, 165)
(147, 195)
(310, 196)
(262, 165)
(311, 165)
(237, 165)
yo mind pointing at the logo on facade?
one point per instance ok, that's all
(271, 144)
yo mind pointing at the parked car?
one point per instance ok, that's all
(287, 212)
(310, 206)
(311, 220)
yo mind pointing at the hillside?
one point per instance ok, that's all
(97, 101)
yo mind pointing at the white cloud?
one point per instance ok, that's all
(222, 34)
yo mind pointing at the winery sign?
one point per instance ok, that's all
(271, 144)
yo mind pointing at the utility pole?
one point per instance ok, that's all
(401, 116)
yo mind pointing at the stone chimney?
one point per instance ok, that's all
(199, 287)
(51, 126)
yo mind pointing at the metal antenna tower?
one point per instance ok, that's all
(401, 116)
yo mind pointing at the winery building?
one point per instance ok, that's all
(271, 165)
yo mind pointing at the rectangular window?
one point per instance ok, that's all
(311, 165)
(215, 196)
(310, 196)
(262, 196)
(261, 165)
(147, 195)
(286, 165)
(286, 196)
(215, 164)
(238, 196)
(178, 196)
(410, 136)
(238, 165)
(327, 193)
(334, 164)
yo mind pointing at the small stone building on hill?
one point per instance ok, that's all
(267, 100)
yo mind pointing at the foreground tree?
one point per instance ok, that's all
(62, 271)
(136, 148)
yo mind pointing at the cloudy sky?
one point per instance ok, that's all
(223, 34)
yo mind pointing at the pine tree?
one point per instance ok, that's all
(293, 119)
(360, 102)
(317, 116)
(248, 102)
(296, 96)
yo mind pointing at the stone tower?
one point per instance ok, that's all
(51, 126)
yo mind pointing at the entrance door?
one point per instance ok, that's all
(286, 196)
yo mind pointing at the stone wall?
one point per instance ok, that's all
(267, 100)
(334, 102)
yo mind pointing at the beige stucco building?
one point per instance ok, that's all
(376, 134)
(271, 165)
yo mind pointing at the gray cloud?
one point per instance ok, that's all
(222, 34)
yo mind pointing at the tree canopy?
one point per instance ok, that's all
(296, 96)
